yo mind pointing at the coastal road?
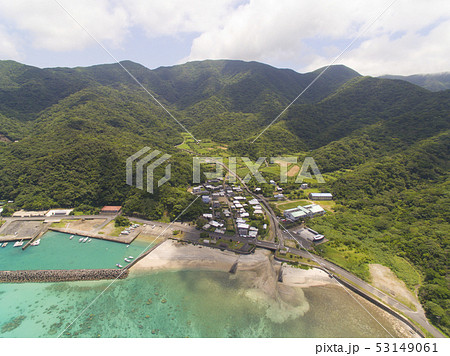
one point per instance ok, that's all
(418, 316)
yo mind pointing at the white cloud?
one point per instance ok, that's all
(301, 34)
(51, 28)
(8, 48)
(176, 16)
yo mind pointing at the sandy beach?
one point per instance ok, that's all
(173, 255)
(259, 273)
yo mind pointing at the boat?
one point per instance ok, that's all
(130, 257)
(81, 239)
(128, 246)
(36, 243)
(71, 237)
(89, 240)
(5, 244)
(126, 260)
(85, 239)
(18, 243)
(119, 266)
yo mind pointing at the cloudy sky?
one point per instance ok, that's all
(410, 36)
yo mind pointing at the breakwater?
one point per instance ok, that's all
(61, 275)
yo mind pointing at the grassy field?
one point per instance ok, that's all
(60, 224)
(352, 260)
(292, 204)
(204, 147)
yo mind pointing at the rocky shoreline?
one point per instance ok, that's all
(61, 275)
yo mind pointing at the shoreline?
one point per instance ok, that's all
(258, 270)
(173, 255)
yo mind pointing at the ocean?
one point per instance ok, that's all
(183, 303)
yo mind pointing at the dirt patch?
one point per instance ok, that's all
(384, 279)
(3, 138)
(85, 225)
(293, 171)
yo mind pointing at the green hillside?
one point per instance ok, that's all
(383, 145)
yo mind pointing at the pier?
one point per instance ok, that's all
(125, 239)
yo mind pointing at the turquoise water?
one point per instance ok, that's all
(57, 251)
(181, 304)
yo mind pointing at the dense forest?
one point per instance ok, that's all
(65, 135)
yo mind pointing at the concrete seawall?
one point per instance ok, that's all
(61, 275)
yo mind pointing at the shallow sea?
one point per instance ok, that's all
(188, 303)
(179, 304)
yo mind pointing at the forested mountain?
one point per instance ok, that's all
(384, 145)
(433, 82)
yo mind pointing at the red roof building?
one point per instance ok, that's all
(109, 209)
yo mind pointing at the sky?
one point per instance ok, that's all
(401, 37)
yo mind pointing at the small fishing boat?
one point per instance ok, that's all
(84, 241)
(36, 243)
(89, 240)
(81, 239)
(119, 266)
(126, 260)
(71, 237)
(5, 244)
(130, 257)
(128, 246)
(18, 243)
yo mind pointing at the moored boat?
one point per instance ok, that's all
(5, 244)
(18, 243)
(36, 243)
(71, 237)
(130, 257)
(81, 239)
(126, 260)
(118, 265)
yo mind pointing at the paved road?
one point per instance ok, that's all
(418, 316)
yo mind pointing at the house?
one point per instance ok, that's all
(258, 190)
(253, 234)
(243, 229)
(197, 190)
(206, 199)
(295, 214)
(301, 212)
(59, 212)
(110, 209)
(208, 216)
(206, 226)
(215, 224)
(254, 202)
(304, 186)
(314, 210)
(272, 182)
(239, 198)
(216, 204)
(320, 196)
(279, 196)
(257, 212)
